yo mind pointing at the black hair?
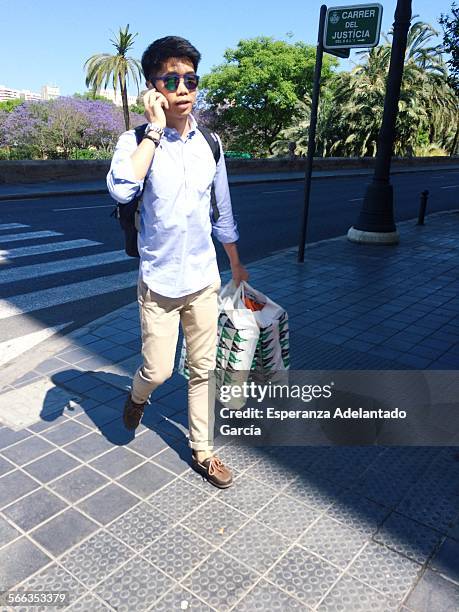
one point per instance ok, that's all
(164, 48)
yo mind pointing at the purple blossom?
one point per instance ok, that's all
(57, 127)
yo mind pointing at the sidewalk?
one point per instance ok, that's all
(68, 188)
(123, 523)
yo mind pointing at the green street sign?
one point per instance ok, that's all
(353, 26)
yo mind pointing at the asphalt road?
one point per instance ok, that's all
(40, 290)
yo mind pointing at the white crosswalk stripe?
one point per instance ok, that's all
(10, 226)
(20, 328)
(52, 247)
(27, 236)
(63, 265)
(47, 298)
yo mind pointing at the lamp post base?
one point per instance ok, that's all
(364, 237)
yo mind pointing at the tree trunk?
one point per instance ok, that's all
(124, 100)
(455, 141)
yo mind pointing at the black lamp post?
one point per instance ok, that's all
(376, 220)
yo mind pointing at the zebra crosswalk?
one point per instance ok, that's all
(66, 271)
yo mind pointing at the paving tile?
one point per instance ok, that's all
(18, 561)
(385, 570)
(139, 527)
(32, 510)
(103, 393)
(88, 603)
(98, 416)
(27, 450)
(79, 483)
(224, 521)
(256, 546)
(14, 485)
(7, 532)
(433, 592)
(68, 431)
(116, 462)
(173, 460)
(407, 537)
(287, 516)
(179, 499)
(5, 466)
(92, 560)
(220, 581)
(146, 479)
(265, 596)
(351, 595)
(53, 579)
(64, 531)
(303, 575)
(179, 599)
(240, 457)
(446, 560)
(108, 503)
(136, 586)
(248, 495)
(316, 494)
(358, 513)
(273, 473)
(148, 444)
(89, 447)
(51, 466)
(178, 552)
(333, 541)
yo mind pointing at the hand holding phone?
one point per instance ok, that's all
(155, 103)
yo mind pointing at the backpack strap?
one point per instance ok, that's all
(212, 141)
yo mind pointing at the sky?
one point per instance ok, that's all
(48, 41)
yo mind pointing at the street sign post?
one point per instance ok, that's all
(340, 29)
(352, 27)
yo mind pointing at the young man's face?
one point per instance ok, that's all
(180, 101)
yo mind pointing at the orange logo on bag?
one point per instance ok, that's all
(252, 304)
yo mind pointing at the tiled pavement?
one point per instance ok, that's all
(123, 523)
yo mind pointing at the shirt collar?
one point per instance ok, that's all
(172, 134)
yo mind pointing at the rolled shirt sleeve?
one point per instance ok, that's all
(225, 229)
(121, 182)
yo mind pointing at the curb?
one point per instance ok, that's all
(238, 181)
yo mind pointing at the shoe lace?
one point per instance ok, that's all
(215, 465)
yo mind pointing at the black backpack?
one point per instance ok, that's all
(128, 214)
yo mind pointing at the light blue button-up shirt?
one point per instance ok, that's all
(177, 255)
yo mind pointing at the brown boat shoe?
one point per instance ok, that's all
(214, 471)
(132, 413)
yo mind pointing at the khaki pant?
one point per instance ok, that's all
(159, 319)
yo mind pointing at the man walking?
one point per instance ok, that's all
(178, 277)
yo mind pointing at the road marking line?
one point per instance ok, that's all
(450, 187)
(281, 191)
(50, 247)
(55, 296)
(64, 265)
(28, 236)
(8, 226)
(10, 349)
(356, 200)
(85, 207)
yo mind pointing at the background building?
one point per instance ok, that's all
(109, 94)
(48, 92)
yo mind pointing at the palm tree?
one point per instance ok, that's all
(103, 68)
(427, 106)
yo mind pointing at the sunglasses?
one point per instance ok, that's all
(172, 81)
